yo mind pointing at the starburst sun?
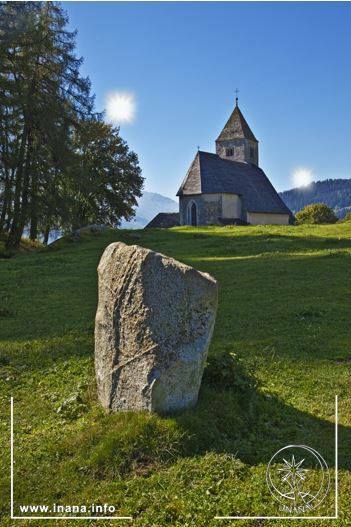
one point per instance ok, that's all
(293, 470)
(120, 107)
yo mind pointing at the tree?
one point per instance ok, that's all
(104, 178)
(60, 165)
(44, 93)
(316, 213)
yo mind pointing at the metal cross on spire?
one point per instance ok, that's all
(236, 97)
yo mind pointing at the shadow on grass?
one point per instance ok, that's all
(282, 305)
(52, 293)
(281, 300)
(248, 424)
(236, 242)
(253, 426)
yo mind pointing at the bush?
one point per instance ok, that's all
(316, 213)
(226, 370)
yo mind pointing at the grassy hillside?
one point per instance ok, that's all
(284, 310)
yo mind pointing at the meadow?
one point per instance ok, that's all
(280, 353)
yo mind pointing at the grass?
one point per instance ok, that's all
(284, 314)
(25, 246)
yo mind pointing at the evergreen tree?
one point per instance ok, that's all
(48, 93)
(60, 165)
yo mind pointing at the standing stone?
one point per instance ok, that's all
(154, 323)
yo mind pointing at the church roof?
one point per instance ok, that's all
(236, 128)
(164, 220)
(211, 174)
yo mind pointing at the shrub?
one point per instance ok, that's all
(316, 213)
(226, 370)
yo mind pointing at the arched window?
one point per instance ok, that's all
(193, 215)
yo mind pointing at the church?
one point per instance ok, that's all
(229, 187)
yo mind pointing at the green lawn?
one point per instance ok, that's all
(284, 310)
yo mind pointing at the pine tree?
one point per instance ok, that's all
(48, 93)
(61, 166)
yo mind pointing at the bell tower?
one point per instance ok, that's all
(236, 142)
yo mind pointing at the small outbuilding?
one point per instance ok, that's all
(164, 220)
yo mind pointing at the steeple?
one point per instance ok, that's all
(236, 141)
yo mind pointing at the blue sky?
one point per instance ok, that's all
(183, 61)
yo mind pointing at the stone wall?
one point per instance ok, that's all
(245, 151)
(209, 208)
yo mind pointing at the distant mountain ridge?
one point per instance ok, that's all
(149, 205)
(336, 193)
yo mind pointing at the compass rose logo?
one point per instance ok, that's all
(298, 478)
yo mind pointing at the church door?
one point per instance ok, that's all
(193, 215)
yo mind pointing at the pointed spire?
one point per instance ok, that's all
(236, 127)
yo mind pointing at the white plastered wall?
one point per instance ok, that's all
(265, 218)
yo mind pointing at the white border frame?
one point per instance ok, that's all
(335, 517)
(49, 517)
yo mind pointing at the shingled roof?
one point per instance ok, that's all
(164, 220)
(211, 174)
(236, 128)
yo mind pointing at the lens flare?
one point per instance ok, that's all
(120, 107)
(302, 177)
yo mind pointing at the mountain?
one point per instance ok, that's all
(336, 193)
(149, 205)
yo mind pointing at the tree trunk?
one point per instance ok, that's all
(6, 203)
(7, 185)
(33, 234)
(13, 241)
(25, 193)
(46, 234)
(7, 226)
(22, 183)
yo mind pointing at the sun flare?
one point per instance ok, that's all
(120, 107)
(302, 177)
